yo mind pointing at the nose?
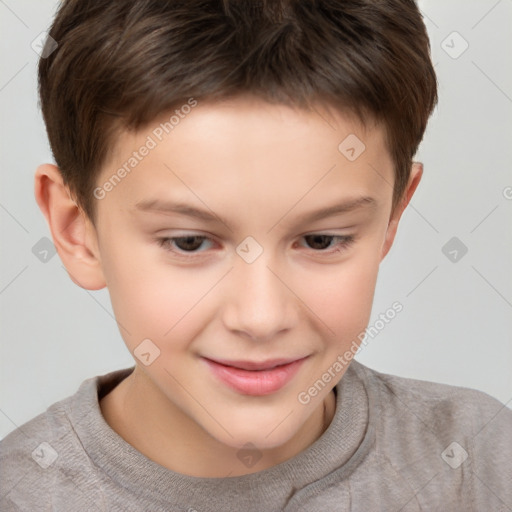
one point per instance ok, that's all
(260, 304)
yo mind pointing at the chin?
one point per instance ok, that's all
(266, 435)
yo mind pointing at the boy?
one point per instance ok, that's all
(234, 173)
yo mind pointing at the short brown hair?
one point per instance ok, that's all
(120, 64)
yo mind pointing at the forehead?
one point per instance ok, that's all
(250, 153)
(246, 121)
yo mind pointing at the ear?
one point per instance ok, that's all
(73, 233)
(414, 180)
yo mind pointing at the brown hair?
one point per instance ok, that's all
(120, 64)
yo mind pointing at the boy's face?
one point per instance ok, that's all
(258, 287)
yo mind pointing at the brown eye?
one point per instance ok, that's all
(183, 244)
(321, 242)
(189, 243)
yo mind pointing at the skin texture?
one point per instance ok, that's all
(259, 167)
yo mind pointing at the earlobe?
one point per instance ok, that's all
(414, 180)
(73, 234)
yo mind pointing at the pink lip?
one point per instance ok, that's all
(253, 378)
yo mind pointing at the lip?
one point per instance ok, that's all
(255, 365)
(255, 378)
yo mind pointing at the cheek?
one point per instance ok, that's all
(168, 304)
(342, 297)
(151, 299)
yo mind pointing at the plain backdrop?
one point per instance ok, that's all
(456, 322)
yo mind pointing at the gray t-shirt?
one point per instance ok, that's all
(394, 444)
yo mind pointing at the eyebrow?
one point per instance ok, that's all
(170, 207)
(346, 206)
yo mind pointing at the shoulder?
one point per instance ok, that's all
(28, 452)
(44, 460)
(18, 446)
(455, 441)
(442, 406)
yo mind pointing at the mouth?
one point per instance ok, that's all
(270, 364)
(255, 378)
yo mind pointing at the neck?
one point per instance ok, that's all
(176, 442)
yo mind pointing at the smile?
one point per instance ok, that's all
(253, 378)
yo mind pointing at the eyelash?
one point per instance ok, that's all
(345, 241)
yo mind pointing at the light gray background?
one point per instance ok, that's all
(456, 323)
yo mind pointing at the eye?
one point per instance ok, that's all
(188, 246)
(184, 244)
(320, 242)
